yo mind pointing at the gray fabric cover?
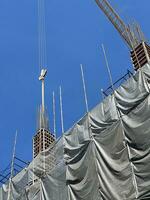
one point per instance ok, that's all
(104, 156)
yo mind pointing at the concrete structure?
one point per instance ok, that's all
(42, 140)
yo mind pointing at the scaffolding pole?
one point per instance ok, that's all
(108, 69)
(12, 167)
(61, 109)
(84, 88)
(54, 114)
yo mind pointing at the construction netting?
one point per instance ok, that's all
(104, 156)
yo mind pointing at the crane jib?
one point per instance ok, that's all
(122, 28)
(132, 34)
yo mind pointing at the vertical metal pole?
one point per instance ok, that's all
(43, 136)
(61, 110)
(12, 166)
(43, 95)
(84, 88)
(33, 163)
(111, 82)
(108, 69)
(40, 189)
(44, 149)
(54, 114)
(13, 156)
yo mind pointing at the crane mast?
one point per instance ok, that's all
(132, 35)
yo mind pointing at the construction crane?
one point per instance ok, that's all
(132, 35)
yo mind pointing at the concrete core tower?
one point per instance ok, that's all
(43, 137)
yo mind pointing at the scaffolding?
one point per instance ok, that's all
(19, 165)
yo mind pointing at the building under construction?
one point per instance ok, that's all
(106, 154)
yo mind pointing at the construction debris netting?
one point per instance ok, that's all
(105, 156)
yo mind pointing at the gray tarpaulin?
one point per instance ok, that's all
(104, 156)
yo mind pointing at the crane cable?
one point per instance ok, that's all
(42, 35)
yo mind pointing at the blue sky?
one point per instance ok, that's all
(75, 31)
